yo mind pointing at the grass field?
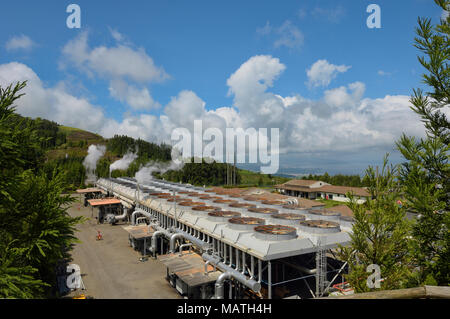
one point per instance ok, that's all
(330, 203)
(257, 179)
(76, 135)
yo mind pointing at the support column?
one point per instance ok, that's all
(269, 283)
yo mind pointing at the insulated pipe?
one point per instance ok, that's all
(155, 236)
(269, 283)
(139, 211)
(133, 216)
(231, 255)
(112, 218)
(301, 268)
(243, 262)
(219, 286)
(185, 245)
(194, 240)
(173, 239)
(228, 274)
(206, 267)
(259, 270)
(225, 253)
(252, 267)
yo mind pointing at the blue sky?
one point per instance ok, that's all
(196, 46)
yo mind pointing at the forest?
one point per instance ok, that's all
(201, 174)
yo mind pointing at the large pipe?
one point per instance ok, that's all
(185, 245)
(269, 280)
(137, 211)
(301, 268)
(194, 240)
(173, 239)
(219, 286)
(228, 274)
(156, 234)
(112, 219)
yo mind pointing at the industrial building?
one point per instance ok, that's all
(219, 244)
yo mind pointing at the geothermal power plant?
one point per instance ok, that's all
(220, 244)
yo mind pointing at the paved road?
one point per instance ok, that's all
(110, 268)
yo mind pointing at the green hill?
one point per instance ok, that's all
(66, 147)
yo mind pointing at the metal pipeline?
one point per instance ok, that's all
(194, 240)
(229, 273)
(301, 268)
(139, 211)
(142, 212)
(219, 285)
(156, 234)
(173, 239)
(112, 219)
(185, 245)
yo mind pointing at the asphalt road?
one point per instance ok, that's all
(110, 268)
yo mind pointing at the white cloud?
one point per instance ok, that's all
(138, 99)
(290, 36)
(322, 72)
(264, 30)
(332, 14)
(127, 69)
(287, 35)
(21, 42)
(120, 61)
(341, 121)
(52, 103)
(383, 73)
(116, 35)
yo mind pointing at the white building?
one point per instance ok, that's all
(311, 189)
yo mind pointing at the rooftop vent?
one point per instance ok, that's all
(190, 203)
(319, 226)
(288, 219)
(325, 214)
(165, 196)
(272, 202)
(222, 215)
(224, 201)
(242, 205)
(245, 223)
(275, 232)
(203, 209)
(261, 211)
(179, 199)
(294, 207)
(251, 198)
(158, 194)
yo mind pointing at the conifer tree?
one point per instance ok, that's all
(425, 173)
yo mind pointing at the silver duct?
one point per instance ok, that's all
(194, 240)
(112, 219)
(301, 268)
(229, 273)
